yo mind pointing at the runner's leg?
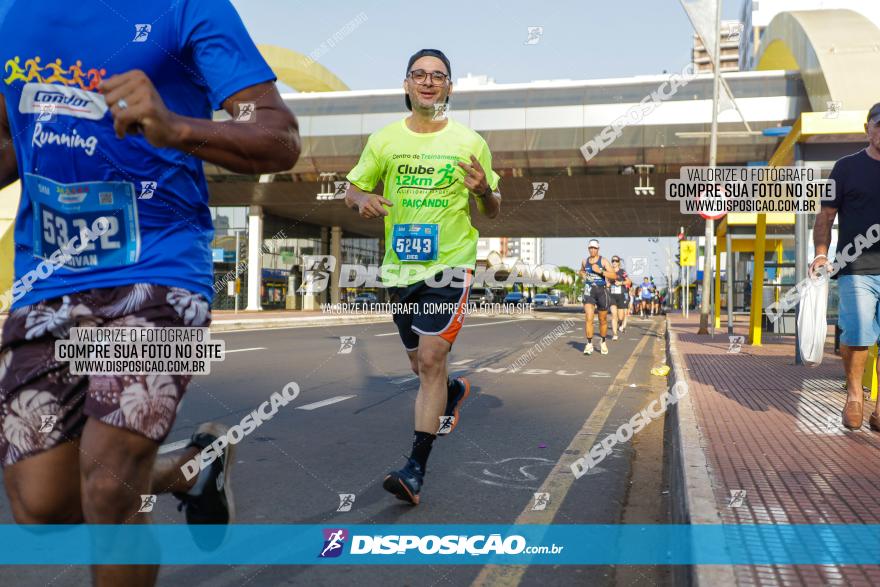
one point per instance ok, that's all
(589, 310)
(45, 488)
(614, 321)
(116, 466)
(602, 297)
(431, 400)
(167, 475)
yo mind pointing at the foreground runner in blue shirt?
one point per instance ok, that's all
(108, 106)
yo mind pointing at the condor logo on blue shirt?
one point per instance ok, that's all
(66, 100)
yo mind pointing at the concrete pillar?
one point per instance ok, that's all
(255, 257)
(336, 251)
(801, 248)
(324, 296)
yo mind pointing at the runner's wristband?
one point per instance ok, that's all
(817, 256)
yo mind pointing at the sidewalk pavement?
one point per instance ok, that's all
(756, 421)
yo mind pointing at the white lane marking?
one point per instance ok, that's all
(173, 446)
(463, 362)
(326, 402)
(256, 348)
(599, 374)
(405, 379)
(559, 480)
(469, 325)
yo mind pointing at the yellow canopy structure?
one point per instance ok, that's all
(300, 72)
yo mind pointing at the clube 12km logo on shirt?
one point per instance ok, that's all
(335, 540)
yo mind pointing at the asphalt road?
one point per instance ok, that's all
(353, 422)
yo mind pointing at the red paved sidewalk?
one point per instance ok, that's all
(773, 428)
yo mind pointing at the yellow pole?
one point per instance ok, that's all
(779, 257)
(718, 282)
(869, 377)
(758, 282)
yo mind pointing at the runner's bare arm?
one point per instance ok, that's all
(822, 236)
(608, 270)
(488, 201)
(367, 205)
(271, 143)
(8, 162)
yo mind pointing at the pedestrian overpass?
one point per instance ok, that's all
(535, 131)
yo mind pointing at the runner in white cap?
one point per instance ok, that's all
(596, 272)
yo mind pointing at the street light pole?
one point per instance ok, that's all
(708, 250)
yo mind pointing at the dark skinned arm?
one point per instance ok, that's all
(270, 144)
(8, 161)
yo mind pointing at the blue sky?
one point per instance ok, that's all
(582, 39)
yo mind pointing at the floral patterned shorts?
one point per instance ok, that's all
(43, 405)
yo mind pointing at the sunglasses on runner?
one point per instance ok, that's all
(420, 76)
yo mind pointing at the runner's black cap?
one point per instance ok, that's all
(874, 113)
(427, 53)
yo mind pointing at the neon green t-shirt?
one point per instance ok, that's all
(421, 177)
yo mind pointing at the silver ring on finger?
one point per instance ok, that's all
(122, 104)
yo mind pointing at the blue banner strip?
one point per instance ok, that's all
(474, 544)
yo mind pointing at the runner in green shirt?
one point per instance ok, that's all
(430, 166)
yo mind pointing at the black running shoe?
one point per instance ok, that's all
(453, 405)
(406, 483)
(215, 505)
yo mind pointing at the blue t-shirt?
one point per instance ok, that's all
(73, 168)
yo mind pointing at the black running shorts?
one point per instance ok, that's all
(597, 296)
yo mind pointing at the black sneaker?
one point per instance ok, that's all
(453, 405)
(215, 505)
(406, 483)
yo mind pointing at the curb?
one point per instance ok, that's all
(693, 501)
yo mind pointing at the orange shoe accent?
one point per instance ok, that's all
(467, 392)
(413, 499)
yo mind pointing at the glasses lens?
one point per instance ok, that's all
(418, 75)
(438, 77)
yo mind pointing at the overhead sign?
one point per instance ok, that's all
(688, 253)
